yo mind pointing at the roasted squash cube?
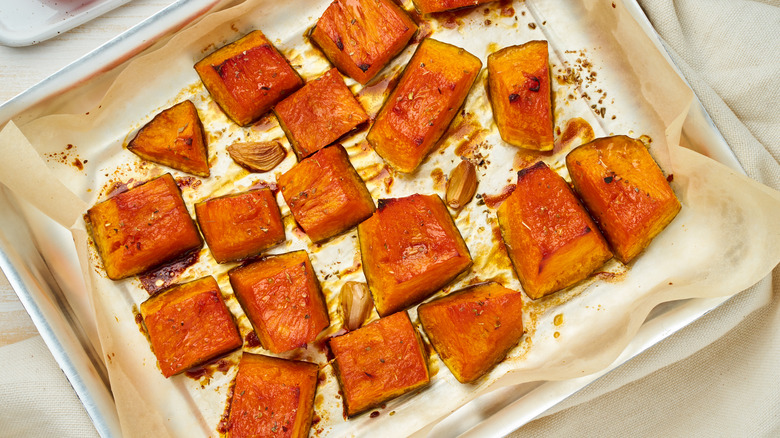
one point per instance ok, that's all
(378, 362)
(143, 228)
(361, 36)
(473, 329)
(189, 324)
(248, 77)
(242, 225)
(410, 248)
(325, 194)
(174, 138)
(282, 299)
(551, 240)
(519, 85)
(272, 397)
(320, 113)
(416, 114)
(430, 6)
(625, 191)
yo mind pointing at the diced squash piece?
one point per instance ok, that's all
(361, 36)
(378, 362)
(430, 6)
(473, 329)
(242, 225)
(174, 138)
(320, 113)
(282, 299)
(325, 194)
(189, 324)
(551, 240)
(411, 248)
(248, 77)
(625, 191)
(420, 108)
(272, 397)
(143, 228)
(519, 85)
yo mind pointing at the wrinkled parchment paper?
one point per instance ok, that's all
(608, 78)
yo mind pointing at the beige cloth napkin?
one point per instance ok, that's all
(720, 376)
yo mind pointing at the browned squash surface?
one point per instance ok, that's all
(361, 36)
(625, 191)
(420, 108)
(378, 362)
(325, 194)
(142, 228)
(429, 6)
(248, 77)
(410, 248)
(519, 85)
(550, 238)
(188, 325)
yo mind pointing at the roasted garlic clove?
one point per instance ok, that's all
(259, 156)
(461, 185)
(356, 304)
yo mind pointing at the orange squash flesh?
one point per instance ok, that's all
(519, 85)
(272, 397)
(378, 362)
(430, 6)
(551, 240)
(248, 77)
(325, 194)
(410, 248)
(142, 228)
(320, 113)
(282, 299)
(241, 225)
(416, 114)
(188, 325)
(625, 191)
(473, 329)
(174, 138)
(361, 36)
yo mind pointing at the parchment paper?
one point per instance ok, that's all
(724, 239)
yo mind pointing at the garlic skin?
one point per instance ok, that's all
(259, 156)
(356, 304)
(461, 185)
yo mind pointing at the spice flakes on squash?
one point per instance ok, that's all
(416, 114)
(282, 300)
(550, 238)
(378, 362)
(625, 191)
(174, 138)
(473, 329)
(240, 225)
(246, 78)
(142, 228)
(410, 249)
(189, 324)
(361, 36)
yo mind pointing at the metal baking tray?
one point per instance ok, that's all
(40, 279)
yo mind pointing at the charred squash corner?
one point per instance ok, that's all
(625, 191)
(361, 36)
(143, 228)
(551, 240)
(174, 138)
(272, 397)
(282, 299)
(188, 325)
(416, 114)
(320, 113)
(325, 194)
(410, 248)
(239, 226)
(431, 6)
(473, 329)
(519, 85)
(378, 362)
(248, 77)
